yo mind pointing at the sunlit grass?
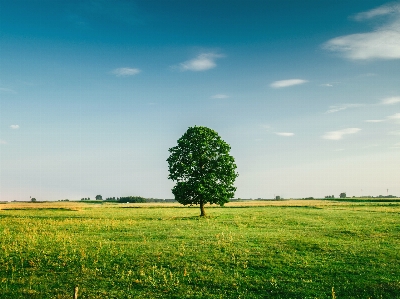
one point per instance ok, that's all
(285, 249)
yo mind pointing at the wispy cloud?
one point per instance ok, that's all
(284, 134)
(202, 62)
(386, 101)
(395, 117)
(374, 120)
(384, 10)
(220, 96)
(341, 107)
(327, 85)
(390, 101)
(371, 146)
(287, 83)
(3, 141)
(381, 43)
(337, 135)
(125, 71)
(14, 127)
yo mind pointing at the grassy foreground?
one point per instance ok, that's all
(288, 249)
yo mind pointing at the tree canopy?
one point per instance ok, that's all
(202, 168)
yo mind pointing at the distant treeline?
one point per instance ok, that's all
(126, 199)
(131, 199)
(381, 196)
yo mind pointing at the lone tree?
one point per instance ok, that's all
(202, 168)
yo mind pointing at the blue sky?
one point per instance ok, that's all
(93, 93)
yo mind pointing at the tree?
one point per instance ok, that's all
(202, 168)
(99, 197)
(33, 199)
(342, 195)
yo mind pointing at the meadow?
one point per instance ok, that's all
(257, 249)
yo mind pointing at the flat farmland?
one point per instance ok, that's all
(254, 249)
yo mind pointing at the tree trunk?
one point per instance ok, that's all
(76, 293)
(203, 213)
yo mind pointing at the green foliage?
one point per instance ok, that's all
(342, 195)
(202, 168)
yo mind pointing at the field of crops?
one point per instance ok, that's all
(258, 249)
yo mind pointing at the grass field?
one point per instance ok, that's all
(277, 249)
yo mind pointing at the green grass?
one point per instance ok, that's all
(288, 250)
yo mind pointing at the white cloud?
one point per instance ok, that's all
(394, 133)
(327, 85)
(220, 96)
(336, 135)
(390, 101)
(374, 120)
(125, 71)
(381, 43)
(203, 62)
(285, 134)
(3, 141)
(14, 127)
(395, 117)
(341, 107)
(287, 83)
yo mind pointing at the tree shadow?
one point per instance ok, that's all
(197, 217)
